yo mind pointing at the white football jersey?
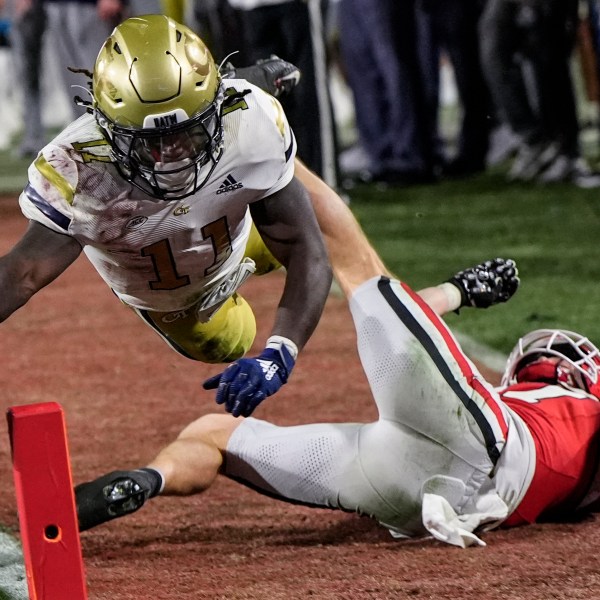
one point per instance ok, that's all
(155, 254)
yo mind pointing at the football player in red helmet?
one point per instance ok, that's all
(555, 356)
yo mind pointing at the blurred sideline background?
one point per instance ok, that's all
(56, 113)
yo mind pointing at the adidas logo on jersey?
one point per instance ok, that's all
(229, 184)
(269, 368)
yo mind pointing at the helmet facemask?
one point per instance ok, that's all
(578, 367)
(173, 161)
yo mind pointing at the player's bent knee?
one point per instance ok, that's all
(214, 428)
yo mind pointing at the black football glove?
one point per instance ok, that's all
(273, 75)
(488, 283)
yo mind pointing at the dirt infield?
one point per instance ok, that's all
(125, 394)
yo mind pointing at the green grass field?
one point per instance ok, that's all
(426, 233)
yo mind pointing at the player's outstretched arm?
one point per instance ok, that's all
(353, 258)
(38, 258)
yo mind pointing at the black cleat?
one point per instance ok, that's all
(114, 495)
(488, 283)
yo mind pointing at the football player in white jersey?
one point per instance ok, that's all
(178, 185)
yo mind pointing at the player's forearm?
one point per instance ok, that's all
(38, 258)
(15, 291)
(352, 256)
(443, 298)
(307, 286)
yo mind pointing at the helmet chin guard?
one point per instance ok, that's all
(158, 97)
(577, 369)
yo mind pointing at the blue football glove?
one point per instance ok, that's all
(244, 384)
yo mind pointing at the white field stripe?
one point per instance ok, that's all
(13, 582)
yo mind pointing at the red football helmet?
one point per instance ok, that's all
(578, 368)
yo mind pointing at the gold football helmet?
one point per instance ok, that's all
(157, 95)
